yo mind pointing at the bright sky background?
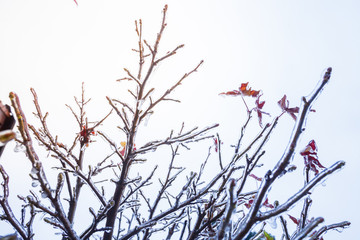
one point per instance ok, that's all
(280, 47)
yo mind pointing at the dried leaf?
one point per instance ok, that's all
(284, 105)
(231, 93)
(85, 135)
(243, 90)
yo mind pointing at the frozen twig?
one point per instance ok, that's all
(36, 163)
(309, 227)
(335, 226)
(8, 213)
(284, 227)
(182, 138)
(301, 193)
(229, 210)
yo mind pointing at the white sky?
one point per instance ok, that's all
(281, 47)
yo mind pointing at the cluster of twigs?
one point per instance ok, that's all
(200, 209)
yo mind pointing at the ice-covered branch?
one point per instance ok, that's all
(308, 228)
(190, 136)
(8, 213)
(335, 226)
(38, 168)
(271, 176)
(302, 192)
(231, 205)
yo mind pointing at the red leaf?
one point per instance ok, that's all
(255, 177)
(259, 104)
(295, 220)
(251, 201)
(282, 102)
(311, 158)
(76, 2)
(258, 108)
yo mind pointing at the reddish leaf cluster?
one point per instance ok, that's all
(243, 90)
(248, 91)
(85, 135)
(311, 158)
(267, 204)
(251, 201)
(284, 104)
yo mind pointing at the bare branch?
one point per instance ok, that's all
(178, 83)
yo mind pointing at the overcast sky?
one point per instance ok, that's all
(281, 47)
